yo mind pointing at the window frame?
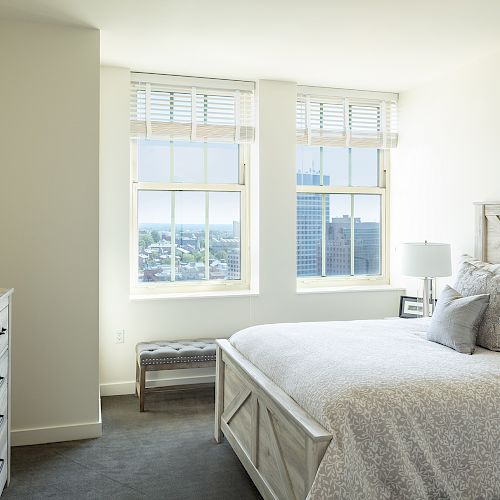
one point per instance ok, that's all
(382, 189)
(166, 288)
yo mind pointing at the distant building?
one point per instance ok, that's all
(236, 229)
(233, 266)
(309, 216)
(367, 240)
(218, 270)
(338, 247)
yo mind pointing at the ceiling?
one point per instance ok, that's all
(388, 45)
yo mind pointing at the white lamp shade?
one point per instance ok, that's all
(426, 260)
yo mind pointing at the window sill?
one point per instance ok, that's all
(349, 289)
(192, 295)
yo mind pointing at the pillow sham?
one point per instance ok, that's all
(456, 320)
(476, 277)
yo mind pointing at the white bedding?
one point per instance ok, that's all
(410, 419)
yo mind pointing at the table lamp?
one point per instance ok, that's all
(428, 261)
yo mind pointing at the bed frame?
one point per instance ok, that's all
(279, 444)
(487, 234)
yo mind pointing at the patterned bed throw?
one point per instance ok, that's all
(411, 419)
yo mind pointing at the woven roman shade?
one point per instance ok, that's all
(342, 118)
(193, 109)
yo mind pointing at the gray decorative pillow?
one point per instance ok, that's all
(476, 277)
(456, 319)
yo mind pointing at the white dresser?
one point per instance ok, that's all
(5, 335)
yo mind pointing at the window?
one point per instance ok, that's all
(342, 162)
(190, 156)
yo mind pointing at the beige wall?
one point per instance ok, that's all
(209, 317)
(49, 133)
(448, 157)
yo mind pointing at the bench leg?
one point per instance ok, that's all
(137, 379)
(142, 386)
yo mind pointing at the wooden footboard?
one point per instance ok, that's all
(279, 444)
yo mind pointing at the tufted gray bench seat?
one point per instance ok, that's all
(171, 355)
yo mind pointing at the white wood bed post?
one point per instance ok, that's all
(487, 232)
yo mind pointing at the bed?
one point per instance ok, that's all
(363, 409)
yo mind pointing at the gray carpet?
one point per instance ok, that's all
(165, 453)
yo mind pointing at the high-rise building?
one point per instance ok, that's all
(309, 217)
(338, 247)
(367, 247)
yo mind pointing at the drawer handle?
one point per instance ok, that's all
(3, 331)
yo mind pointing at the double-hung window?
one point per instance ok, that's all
(342, 162)
(190, 156)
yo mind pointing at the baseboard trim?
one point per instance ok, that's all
(41, 435)
(122, 388)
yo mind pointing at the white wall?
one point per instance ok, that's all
(448, 157)
(49, 132)
(208, 317)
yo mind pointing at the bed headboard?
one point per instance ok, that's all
(487, 233)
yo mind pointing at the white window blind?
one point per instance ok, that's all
(337, 117)
(194, 109)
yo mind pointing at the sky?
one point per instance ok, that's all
(154, 159)
(155, 207)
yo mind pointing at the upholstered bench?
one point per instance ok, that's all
(171, 355)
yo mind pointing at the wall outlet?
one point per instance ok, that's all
(120, 336)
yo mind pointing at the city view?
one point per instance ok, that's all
(190, 263)
(340, 260)
(188, 235)
(182, 251)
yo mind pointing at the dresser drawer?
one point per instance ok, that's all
(3, 471)
(3, 439)
(4, 453)
(3, 403)
(4, 456)
(4, 366)
(4, 328)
